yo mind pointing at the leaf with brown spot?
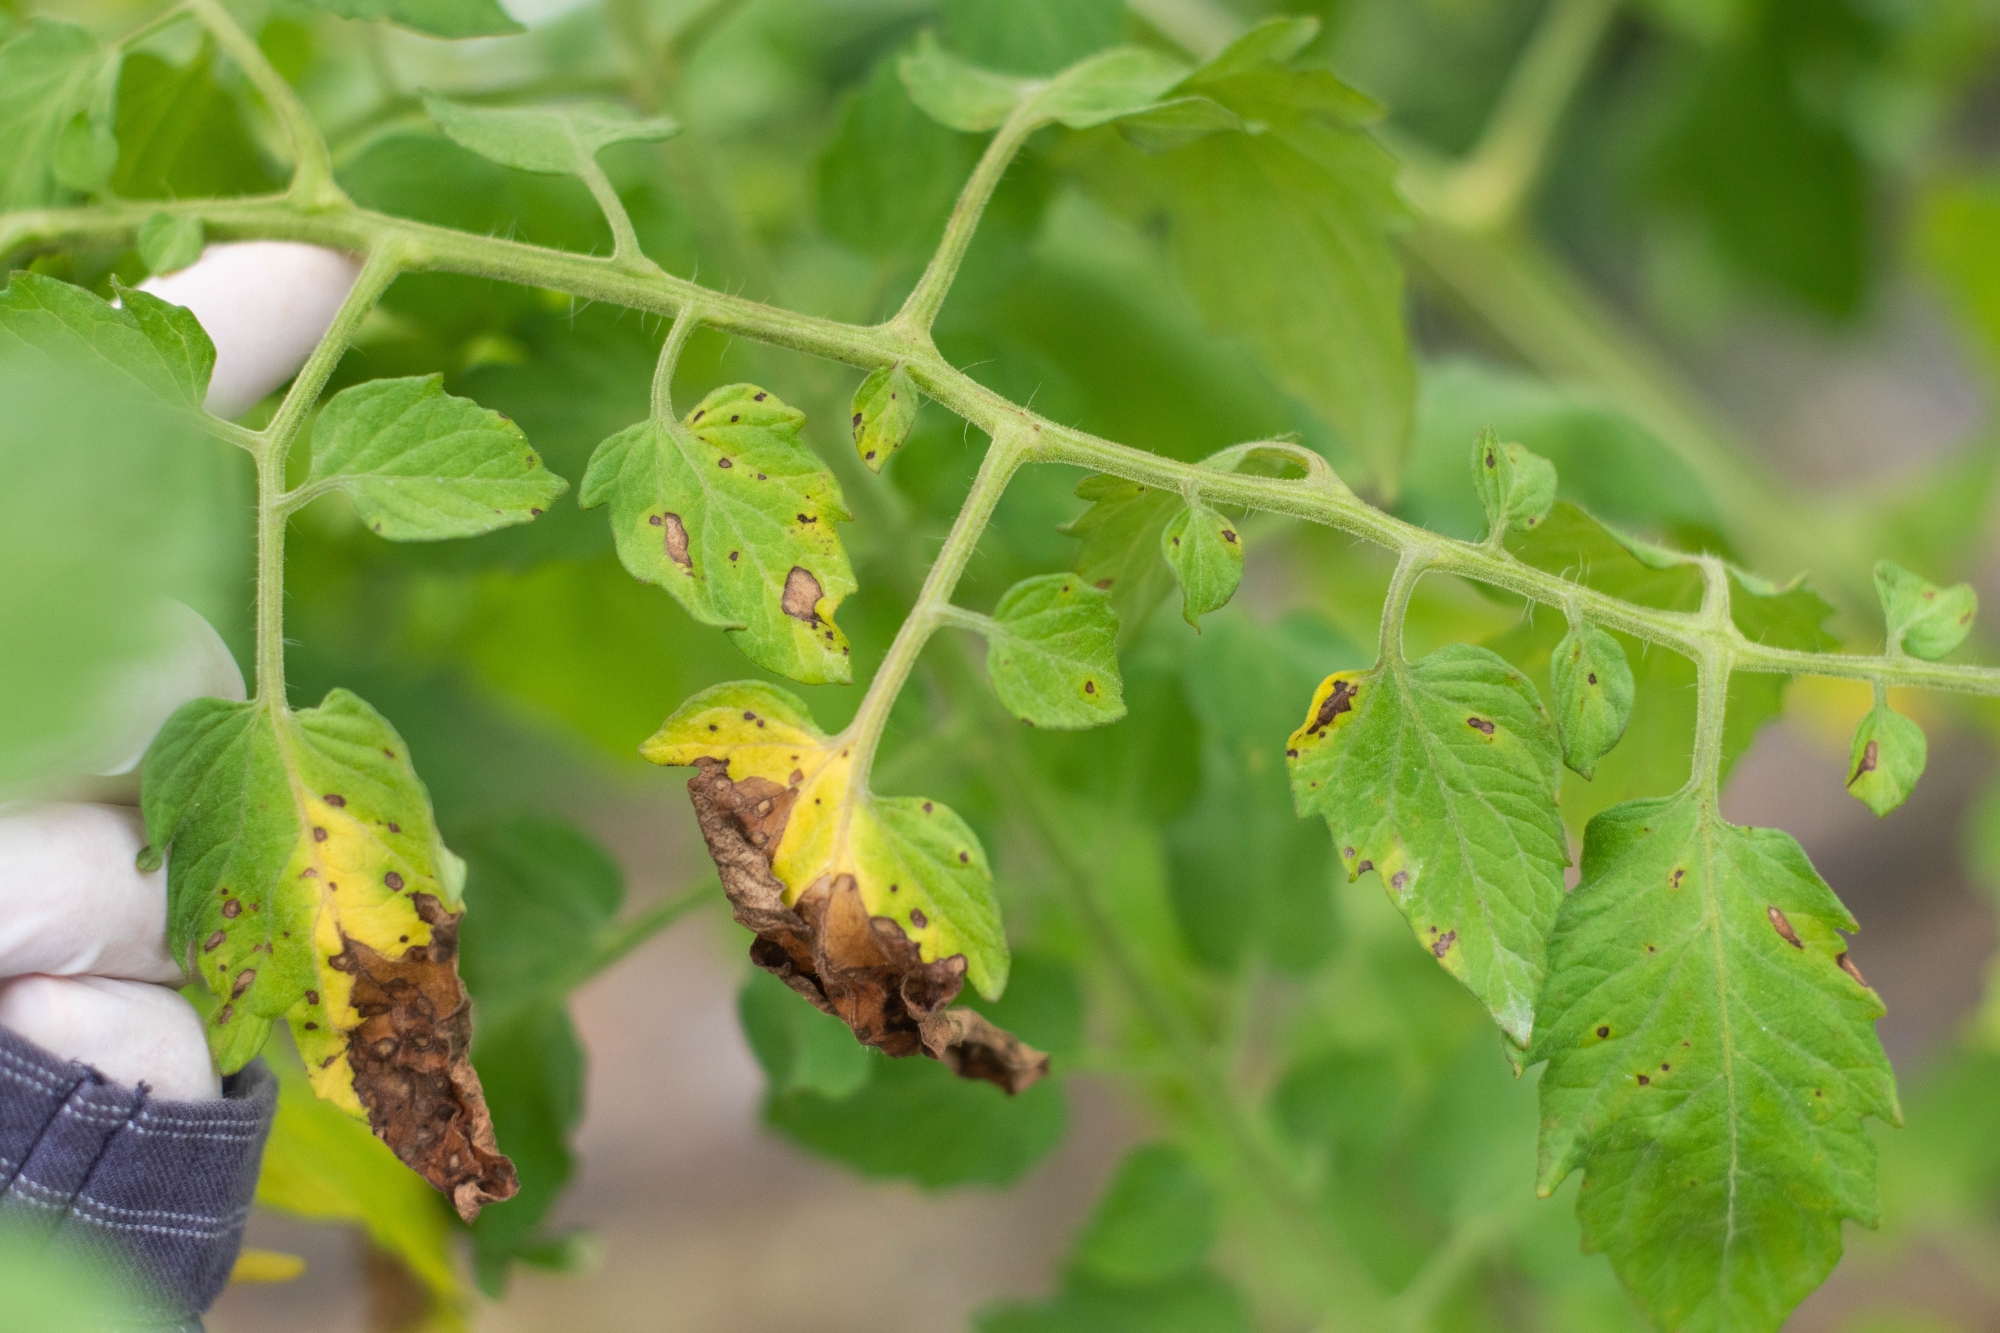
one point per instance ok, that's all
(1440, 776)
(1052, 653)
(875, 909)
(1887, 758)
(885, 412)
(351, 936)
(732, 514)
(1711, 956)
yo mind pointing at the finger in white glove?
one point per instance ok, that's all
(190, 661)
(72, 901)
(128, 1031)
(265, 305)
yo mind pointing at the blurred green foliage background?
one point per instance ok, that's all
(1740, 203)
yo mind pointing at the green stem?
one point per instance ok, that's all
(273, 450)
(424, 247)
(1006, 454)
(670, 357)
(920, 311)
(1410, 567)
(1712, 669)
(1487, 188)
(625, 251)
(312, 166)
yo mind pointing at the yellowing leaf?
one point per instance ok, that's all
(885, 412)
(730, 513)
(308, 881)
(873, 909)
(913, 861)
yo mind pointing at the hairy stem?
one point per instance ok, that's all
(274, 448)
(1410, 567)
(1003, 457)
(424, 247)
(670, 357)
(312, 166)
(920, 311)
(1712, 669)
(625, 249)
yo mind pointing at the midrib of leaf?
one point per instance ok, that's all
(1705, 817)
(721, 509)
(1433, 745)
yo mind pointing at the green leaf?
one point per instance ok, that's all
(914, 1121)
(421, 465)
(1157, 1218)
(1924, 620)
(48, 74)
(887, 182)
(800, 1048)
(532, 1073)
(1711, 1055)
(1108, 87)
(439, 18)
(1052, 653)
(183, 135)
(730, 513)
(1440, 775)
(1121, 535)
(1250, 878)
(1206, 554)
(956, 93)
(1516, 487)
(1887, 759)
(553, 140)
(158, 348)
(1283, 236)
(308, 881)
(1591, 684)
(546, 899)
(1198, 1302)
(169, 242)
(885, 412)
(1032, 36)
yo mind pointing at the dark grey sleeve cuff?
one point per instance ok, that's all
(156, 1191)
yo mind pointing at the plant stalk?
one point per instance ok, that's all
(920, 311)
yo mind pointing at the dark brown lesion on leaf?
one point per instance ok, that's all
(1783, 927)
(1339, 700)
(674, 538)
(412, 1069)
(1481, 725)
(801, 596)
(860, 968)
(1871, 755)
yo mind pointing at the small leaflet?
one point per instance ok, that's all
(1924, 620)
(874, 909)
(1887, 759)
(727, 510)
(55, 114)
(1052, 653)
(1205, 551)
(885, 412)
(169, 242)
(559, 140)
(1440, 776)
(160, 349)
(1517, 487)
(1120, 536)
(439, 18)
(1711, 1056)
(308, 882)
(1591, 682)
(422, 465)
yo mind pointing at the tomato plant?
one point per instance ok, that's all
(1338, 762)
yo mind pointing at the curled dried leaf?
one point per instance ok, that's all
(827, 946)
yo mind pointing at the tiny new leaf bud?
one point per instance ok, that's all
(1888, 758)
(1517, 487)
(169, 243)
(1205, 552)
(885, 411)
(1924, 620)
(1592, 685)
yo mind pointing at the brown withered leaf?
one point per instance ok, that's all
(413, 1074)
(862, 969)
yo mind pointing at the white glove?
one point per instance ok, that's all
(84, 969)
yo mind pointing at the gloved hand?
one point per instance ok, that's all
(84, 968)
